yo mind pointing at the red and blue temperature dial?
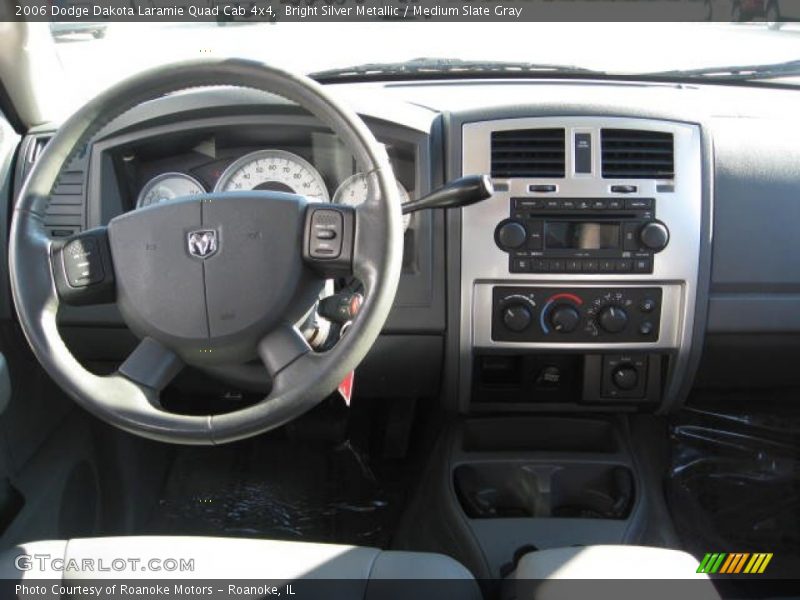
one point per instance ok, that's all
(561, 313)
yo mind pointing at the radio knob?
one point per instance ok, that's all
(565, 319)
(654, 235)
(613, 319)
(511, 235)
(517, 317)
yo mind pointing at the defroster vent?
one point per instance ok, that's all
(637, 154)
(532, 153)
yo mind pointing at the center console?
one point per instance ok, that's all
(579, 276)
(577, 294)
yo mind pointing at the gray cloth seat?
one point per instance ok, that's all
(360, 572)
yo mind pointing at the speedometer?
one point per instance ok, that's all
(355, 188)
(168, 186)
(273, 170)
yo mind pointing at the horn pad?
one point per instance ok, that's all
(209, 276)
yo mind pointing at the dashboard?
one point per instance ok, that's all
(605, 277)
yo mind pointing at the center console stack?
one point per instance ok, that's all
(579, 275)
(578, 285)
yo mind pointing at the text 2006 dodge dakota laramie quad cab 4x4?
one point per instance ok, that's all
(418, 327)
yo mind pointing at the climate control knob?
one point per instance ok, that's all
(613, 319)
(510, 235)
(654, 235)
(565, 319)
(517, 317)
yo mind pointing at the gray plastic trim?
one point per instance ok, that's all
(5, 384)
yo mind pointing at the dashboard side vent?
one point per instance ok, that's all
(65, 213)
(637, 154)
(36, 148)
(534, 153)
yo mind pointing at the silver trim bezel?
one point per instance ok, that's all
(676, 268)
(153, 181)
(270, 152)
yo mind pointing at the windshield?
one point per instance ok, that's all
(94, 59)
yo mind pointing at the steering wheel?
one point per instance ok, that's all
(210, 280)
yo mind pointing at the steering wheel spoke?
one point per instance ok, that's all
(151, 365)
(82, 268)
(281, 347)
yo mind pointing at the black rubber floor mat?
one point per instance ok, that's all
(278, 490)
(734, 484)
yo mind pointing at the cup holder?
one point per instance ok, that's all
(493, 490)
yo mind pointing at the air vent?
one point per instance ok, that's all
(532, 153)
(635, 154)
(64, 214)
(37, 147)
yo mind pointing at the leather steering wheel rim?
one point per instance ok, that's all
(128, 399)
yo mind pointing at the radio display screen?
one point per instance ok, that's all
(577, 235)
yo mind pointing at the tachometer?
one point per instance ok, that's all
(354, 189)
(168, 186)
(273, 170)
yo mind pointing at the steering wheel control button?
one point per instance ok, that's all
(82, 269)
(326, 233)
(82, 263)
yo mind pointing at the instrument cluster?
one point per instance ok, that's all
(269, 169)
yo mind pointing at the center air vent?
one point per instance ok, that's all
(635, 154)
(534, 153)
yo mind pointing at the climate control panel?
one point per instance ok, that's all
(575, 315)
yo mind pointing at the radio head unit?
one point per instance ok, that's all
(581, 235)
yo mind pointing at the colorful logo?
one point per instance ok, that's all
(734, 563)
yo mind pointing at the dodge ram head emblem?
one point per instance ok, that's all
(202, 243)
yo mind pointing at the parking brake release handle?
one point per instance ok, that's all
(457, 193)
